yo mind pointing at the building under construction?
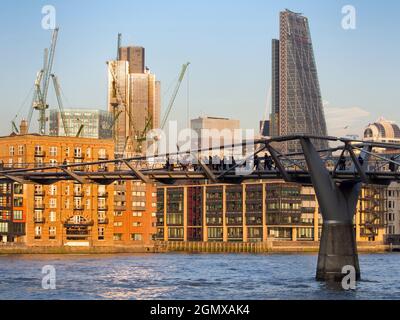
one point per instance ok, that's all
(296, 97)
(133, 98)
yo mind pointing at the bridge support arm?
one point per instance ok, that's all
(338, 204)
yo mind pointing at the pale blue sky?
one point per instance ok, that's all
(227, 42)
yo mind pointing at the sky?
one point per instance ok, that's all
(228, 43)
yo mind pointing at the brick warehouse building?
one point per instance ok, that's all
(238, 213)
(68, 213)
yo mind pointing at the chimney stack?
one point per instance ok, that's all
(23, 127)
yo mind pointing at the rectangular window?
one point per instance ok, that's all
(12, 151)
(38, 232)
(117, 237)
(100, 233)
(52, 232)
(20, 150)
(53, 151)
(3, 227)
(18, 202)
(136, 214)
(136, 224)
(52, 216)
(18, 214)
(117, 224)
(53, 203)
(53, 190)
(136, 237)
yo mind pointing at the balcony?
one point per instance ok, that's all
(40, 153)
(103, 157)
(102, 208)
(73, 224)
(79, 156)
(78, 193)
(103, 221)
(39, 193)
(39, 220)
(39, 206)
(102, 195)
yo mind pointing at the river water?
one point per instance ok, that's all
(190, 276)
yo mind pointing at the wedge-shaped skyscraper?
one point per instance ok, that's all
(296, 96)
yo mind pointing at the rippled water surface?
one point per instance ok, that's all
(190, 276)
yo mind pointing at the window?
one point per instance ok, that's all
(20, 150)
(53, 151)
(38, 232)
(118, 213)
(100, 233)
(78, 152)
(12, 151)
(136, 214)
(53, 203)
(117, 237)
(18, 188)
(3, 226)
(18, 202)
(67, 151)
(53, 162)
(136, 224)
(52, 216)
(117, 224)
(52, 233)
(136, 237)
(18, 214)
(53, 190)
(88, 152)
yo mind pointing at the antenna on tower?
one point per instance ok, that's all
(119, 45)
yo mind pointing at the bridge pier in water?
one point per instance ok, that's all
(338, 202)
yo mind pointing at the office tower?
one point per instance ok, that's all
(135, 56)
(296, 97)
(86, 123)
(134, 100)
(265, 128)
(213, 131)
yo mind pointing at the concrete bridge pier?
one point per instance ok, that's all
(338, 202)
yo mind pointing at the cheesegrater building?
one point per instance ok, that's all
(296, 97)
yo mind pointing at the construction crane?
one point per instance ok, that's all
(171, 102)
(42, 85)
(119, 105)
(60, 104)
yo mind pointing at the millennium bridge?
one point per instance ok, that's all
(337, 180)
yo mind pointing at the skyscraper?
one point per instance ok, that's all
(135, 56)
(296, 97)
(134, 99)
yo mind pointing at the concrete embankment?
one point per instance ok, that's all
(180, 246)
(12, 249)
(257, 247)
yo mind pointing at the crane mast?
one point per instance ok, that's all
(171, 102)
(60, 104)
(42, 85)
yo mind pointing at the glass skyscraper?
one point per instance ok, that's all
(95, 124)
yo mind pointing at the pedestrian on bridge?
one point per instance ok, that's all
(392, 166)
(256, 162)
(342, 163)
(267, 162)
